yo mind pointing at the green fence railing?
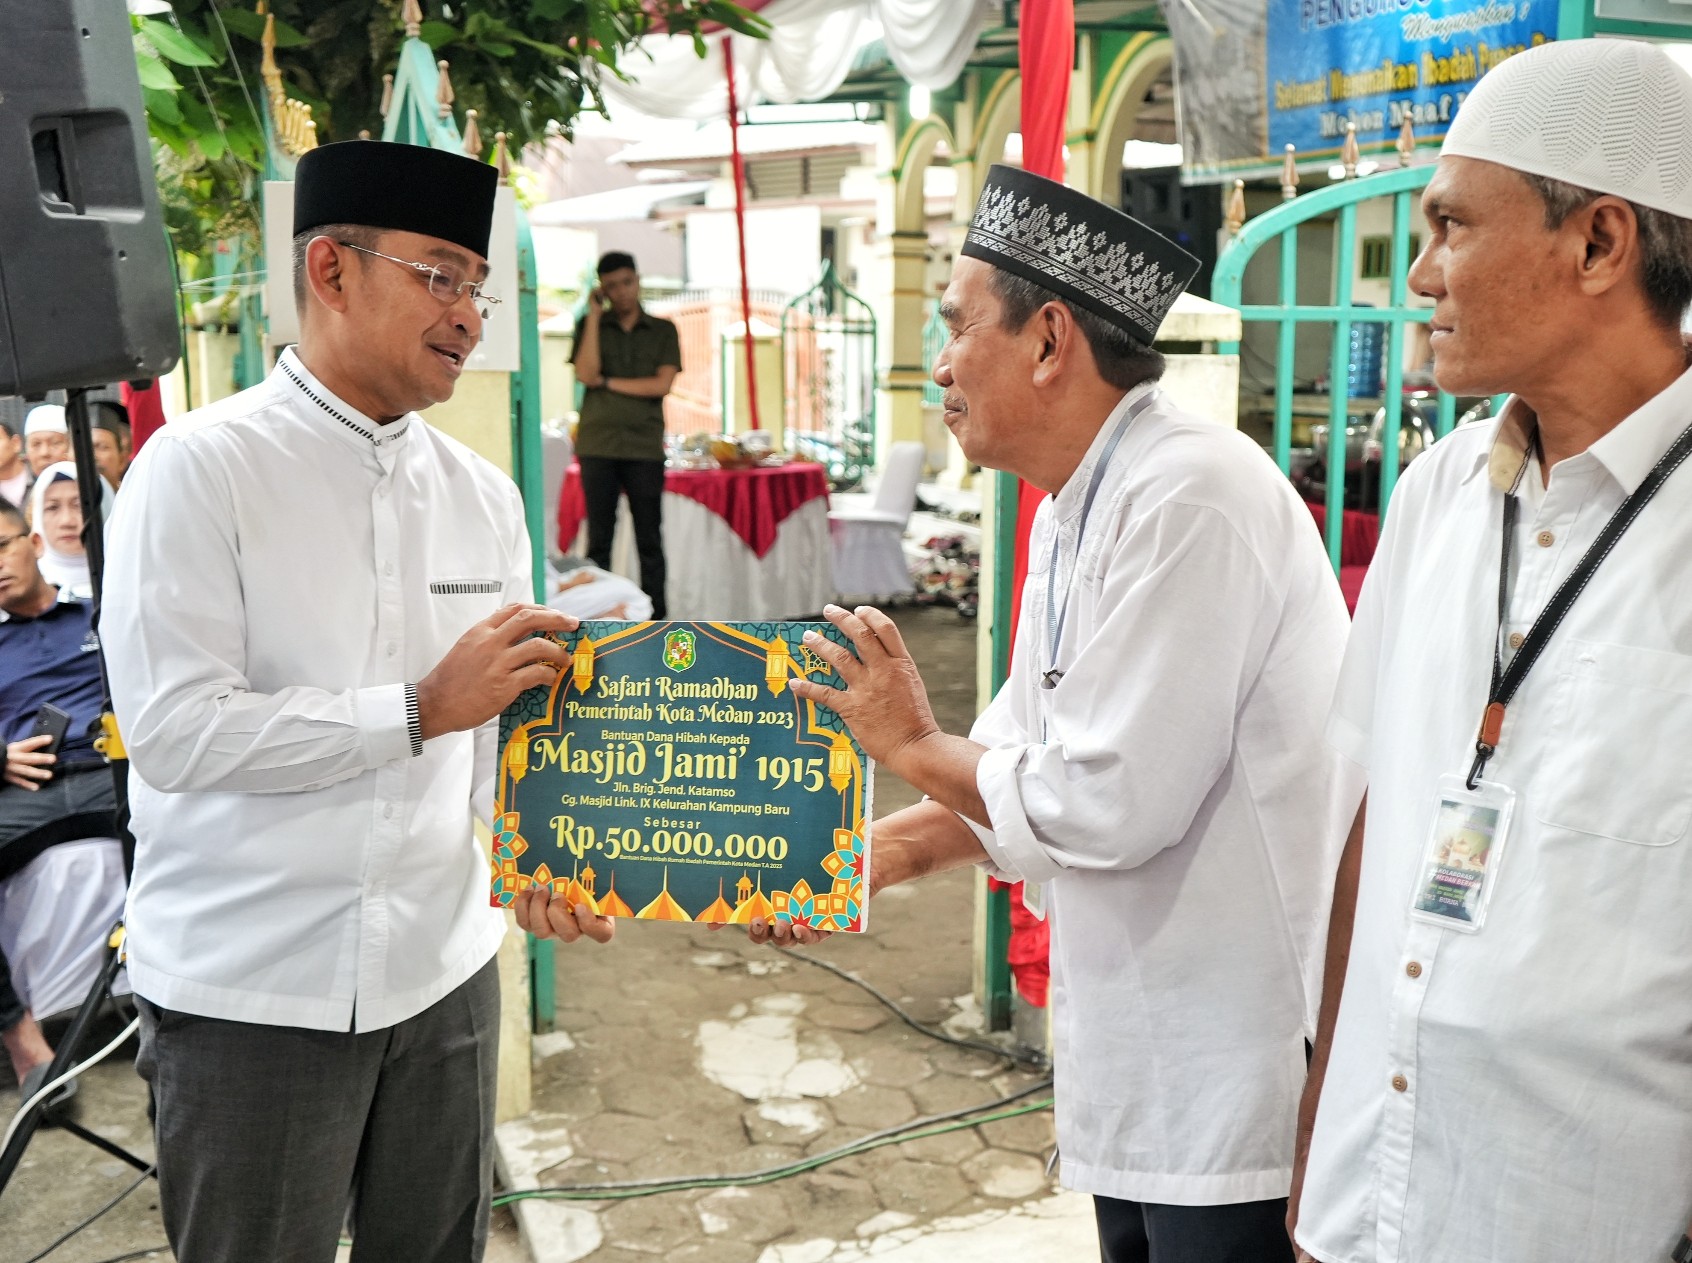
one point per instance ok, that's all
(1337, 312)
(933, 339)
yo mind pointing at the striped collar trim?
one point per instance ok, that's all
(311, 392)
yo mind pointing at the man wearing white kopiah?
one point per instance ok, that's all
(1504, 1064)
(1154, 763)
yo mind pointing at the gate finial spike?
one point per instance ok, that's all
(443, 92)
(472, 135)
(1236, 209)
(1406, 141)
(267, 46)
(502, 158)
(411, 13)
(387, 94)
(1349, 156)
(1289, 175)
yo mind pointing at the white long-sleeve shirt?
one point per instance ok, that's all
(280, 568)
(1174, 792)
(1521, 1093)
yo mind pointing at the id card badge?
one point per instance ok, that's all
(1034, 898)
(1460, 865)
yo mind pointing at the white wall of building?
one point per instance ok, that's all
(783, 248)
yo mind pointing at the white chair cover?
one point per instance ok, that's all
(55, 915)
(869, 553)
(556, 453)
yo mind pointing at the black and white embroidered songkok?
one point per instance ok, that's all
(1084, 251)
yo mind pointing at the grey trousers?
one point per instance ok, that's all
(267, 1134)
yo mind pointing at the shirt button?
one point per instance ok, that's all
(1516, 639)
(1414, 969)
(388, 569)
(1546, 539)
(392, 649)
(1400, 1083)
(388, 812)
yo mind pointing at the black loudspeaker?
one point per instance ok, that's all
(87, 293)
(1189, 215)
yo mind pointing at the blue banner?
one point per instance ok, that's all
(1374, 62)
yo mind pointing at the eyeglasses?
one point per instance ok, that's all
(447, 284)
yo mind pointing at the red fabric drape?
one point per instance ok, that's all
(146, 412)
(1046, 50)
(739, 169)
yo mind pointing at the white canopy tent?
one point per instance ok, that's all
(810, 50)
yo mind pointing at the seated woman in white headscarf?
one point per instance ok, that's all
(55, 517)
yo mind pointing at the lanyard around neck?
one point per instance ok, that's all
(1057, 616)
(1505, 683)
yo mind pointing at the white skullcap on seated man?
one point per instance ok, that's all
(45, 418)
(46, 437)
(1502, 1068)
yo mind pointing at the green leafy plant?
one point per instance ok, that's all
(526, 67)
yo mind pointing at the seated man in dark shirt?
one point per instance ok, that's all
(626, 360)
(49, 655)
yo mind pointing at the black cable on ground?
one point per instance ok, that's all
(932, 1124)
(617, 1190)
(1021, 1056)
(139, 1181)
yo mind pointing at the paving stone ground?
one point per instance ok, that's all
(681, 1051)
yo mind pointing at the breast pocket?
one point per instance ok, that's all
(461, 602)
(1622, 729)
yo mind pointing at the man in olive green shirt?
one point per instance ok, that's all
(626, 360)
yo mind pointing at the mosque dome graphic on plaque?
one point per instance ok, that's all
(752, 902)
(579, 889)
(664, 907)
(611, 904)
(719, 912)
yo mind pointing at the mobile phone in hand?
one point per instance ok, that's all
(52, 722)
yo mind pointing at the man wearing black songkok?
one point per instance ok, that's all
(1153, 769)
(316, 607)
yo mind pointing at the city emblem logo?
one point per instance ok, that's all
(679, 650)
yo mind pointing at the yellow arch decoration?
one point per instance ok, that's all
(916, 149)
(914, 134)
(1113, 78)
(1130, 76)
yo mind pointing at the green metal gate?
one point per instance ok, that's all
(1337, 312)
(828, 362)
(934, 335)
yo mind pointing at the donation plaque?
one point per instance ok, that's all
(670, 775)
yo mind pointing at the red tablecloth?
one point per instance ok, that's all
(754, 502)
(1359, 534)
